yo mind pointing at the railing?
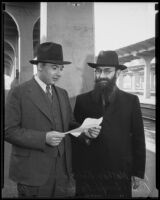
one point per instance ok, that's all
(139, 91)
(148, 111)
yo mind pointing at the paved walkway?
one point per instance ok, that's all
(148, 186)
(150, 142)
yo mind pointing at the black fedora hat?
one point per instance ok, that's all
(107, 58)
(49, 52)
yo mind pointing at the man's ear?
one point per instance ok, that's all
(118, 73)
(39, 67)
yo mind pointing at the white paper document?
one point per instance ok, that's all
(91, 122)
(87, 123)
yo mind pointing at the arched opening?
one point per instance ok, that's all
(9, 56)
(10, 48)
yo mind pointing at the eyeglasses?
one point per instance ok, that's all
(55, 67)
(106, 71)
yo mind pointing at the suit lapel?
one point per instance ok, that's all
(62, 105)
(39, 99)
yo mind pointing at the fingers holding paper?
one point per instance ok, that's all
(54, 138)
(93, 132)
(90, 126)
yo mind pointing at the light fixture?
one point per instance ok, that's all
(75, 4)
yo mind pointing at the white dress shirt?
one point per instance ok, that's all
(41, 83)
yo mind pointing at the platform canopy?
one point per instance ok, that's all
(138, 50)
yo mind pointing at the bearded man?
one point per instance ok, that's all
(109, 165)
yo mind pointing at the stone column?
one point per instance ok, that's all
(131, 78)
(152, 80)
(134, 82)
(120, 81)
(147, 71)
(72, 27)
(26, 52)
(141, 80)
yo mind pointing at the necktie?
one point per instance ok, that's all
(103, 103)
(48, 92)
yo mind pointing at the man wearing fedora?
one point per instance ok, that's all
(37, 114)
(114, 162)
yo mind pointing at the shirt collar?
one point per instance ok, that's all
(41, 83)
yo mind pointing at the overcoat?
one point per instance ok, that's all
(120, 146)
(27, 119)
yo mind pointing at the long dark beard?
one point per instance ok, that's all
(104, 87)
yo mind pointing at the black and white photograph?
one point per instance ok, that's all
(79, 100)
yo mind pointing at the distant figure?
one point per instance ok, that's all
(113, 162)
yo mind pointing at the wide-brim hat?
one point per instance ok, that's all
(108, 58)
(49, 52)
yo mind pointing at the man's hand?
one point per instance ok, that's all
(92, 132)
(135, 182)
(53, 138)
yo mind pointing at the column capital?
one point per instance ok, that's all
(147, 58)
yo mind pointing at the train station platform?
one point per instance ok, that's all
(151, 100)
(148, 185)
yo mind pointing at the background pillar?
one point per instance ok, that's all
(72, 27)
(147, 70)
(120, 81)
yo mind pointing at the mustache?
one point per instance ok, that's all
(102, 79)
(104, 86)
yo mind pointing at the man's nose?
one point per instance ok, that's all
(102, 75)
(58, 71)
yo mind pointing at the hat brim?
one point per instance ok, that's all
(94, 65)
(35, 62)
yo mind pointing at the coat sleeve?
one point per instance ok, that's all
(80, 116)
(138, 141)
(14, 133)
(72, 121)
(78, 111)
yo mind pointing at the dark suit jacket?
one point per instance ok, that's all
(120, 145)
(27, 119)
